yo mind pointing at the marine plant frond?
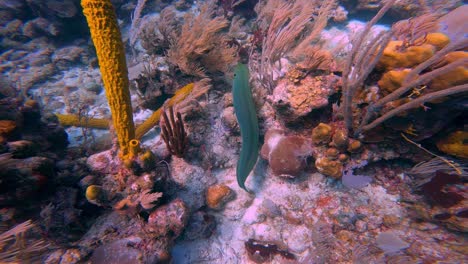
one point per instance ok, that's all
(455, 166)
(199, 88)
(426, 169)
(148, 198)
(158, 33)
(167, 24)
(135, 27)
(198, 42)
(15, 247)
(290, 27)
(312, 58)
(288, 22)
(411, 29)
(222, 58)
(361, 60)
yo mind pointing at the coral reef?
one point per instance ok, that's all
(29, 148)
(362, 128)
(295, 100)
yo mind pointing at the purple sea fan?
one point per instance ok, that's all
(390, 243)
(355, 181)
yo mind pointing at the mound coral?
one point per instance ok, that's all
(321, 133)
(295, 99)
(96, 195)
(217, 195)
(329, 167)
(286, 154)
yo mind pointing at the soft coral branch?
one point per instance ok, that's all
(173, 133)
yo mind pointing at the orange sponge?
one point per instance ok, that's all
(395, 55)
(455, 77)
(393, 58)
(438, 40)
(392, 80)
(455, 144)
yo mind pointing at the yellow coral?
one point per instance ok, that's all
(329, 167)
(180, 95)
(455, 144)
(340, 138)
(93, 192)
(107, 39)
(75, 120)
(321, 133)
(354, 145)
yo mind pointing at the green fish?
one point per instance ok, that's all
(248, 122)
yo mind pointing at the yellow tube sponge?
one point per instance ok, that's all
(149, 123)
(75, 120)
(134, 147)
(107, 40)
